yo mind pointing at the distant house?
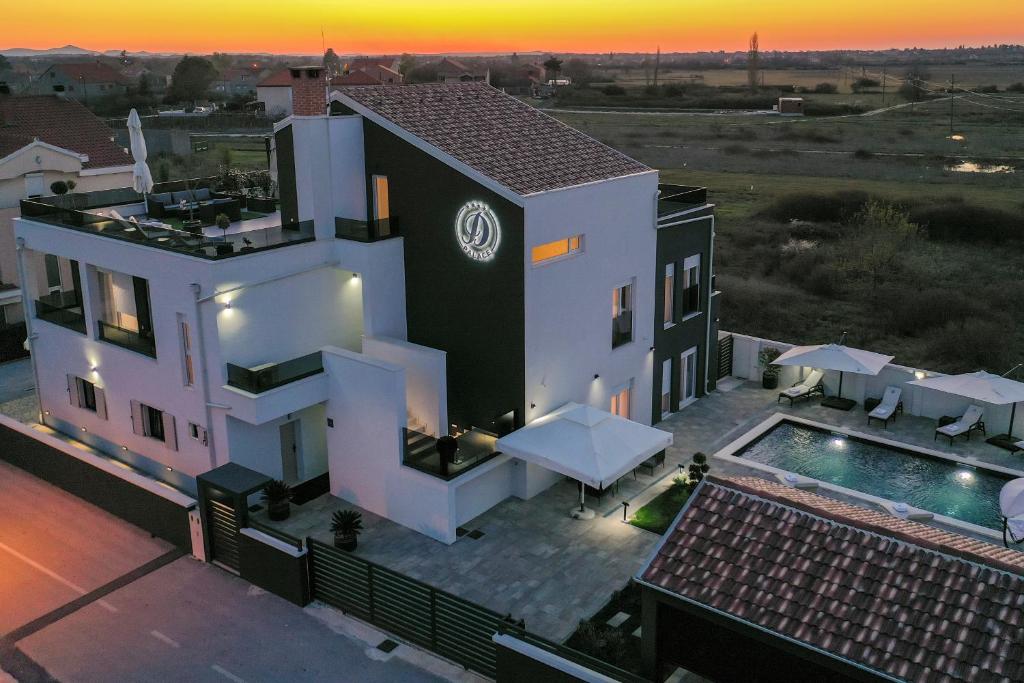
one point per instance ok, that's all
(82, 80)
(236, 80)
(43, 139)
(133, 73)
(274, 92)
(384, 70)
(453, 71)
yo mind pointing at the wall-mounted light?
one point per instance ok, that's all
(124, 448)
(651, 349)
(84, 429)
(46, 412)
(596, 375)
(93, 368)
(533, 405)
(355, 276)
(227, 305)
(168, 469)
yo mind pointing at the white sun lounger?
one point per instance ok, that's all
(806, 388)
(888, 407)
(970, 421)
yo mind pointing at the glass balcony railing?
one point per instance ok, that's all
(475, 448)
(266, 377)
(139, 342)
(61, 308)
(366, 231)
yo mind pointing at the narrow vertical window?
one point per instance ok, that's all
(666, 387)
(670, 293)
(622, 315)
(691, 285)
(620, 403)
(187, 370)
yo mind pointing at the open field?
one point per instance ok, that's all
(949, 303)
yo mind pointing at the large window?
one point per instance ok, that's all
(381, 206)
(691, 285)
(622, 315)
(620, 404)
(670, 294)
(556, 250)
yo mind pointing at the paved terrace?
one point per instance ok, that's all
(536, 563)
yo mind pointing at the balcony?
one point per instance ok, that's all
(270, 376)
(676, 198)
(61, 308)
(95, 213)
(139, 342)
(366, 231)
(475, 448)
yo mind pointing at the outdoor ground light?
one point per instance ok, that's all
(625, 508)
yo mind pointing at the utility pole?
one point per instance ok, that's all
(952, 100)
(883, 85)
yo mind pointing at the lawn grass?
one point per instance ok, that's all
(659, 513)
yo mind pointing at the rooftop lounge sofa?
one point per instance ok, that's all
(204, 202)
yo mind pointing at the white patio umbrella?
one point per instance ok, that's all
(142, 179)
(1011, 505)
(835, 357)
(979, 386)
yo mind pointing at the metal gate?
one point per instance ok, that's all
(725, 356)
(223, 526)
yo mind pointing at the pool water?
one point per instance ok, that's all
(945, 488)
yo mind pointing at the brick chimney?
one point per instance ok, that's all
(309, 91)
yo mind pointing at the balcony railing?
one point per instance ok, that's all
(168, 238)
(672, 198)
(61, 310)
(264, 378)
(366, 231)
(420, 452)
(139, 342)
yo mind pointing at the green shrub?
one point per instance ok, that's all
(968, 344)
(953, 222)
(809, 206)
(863, 154)
(602, 642)
(911, 312)
(826, 89)
(614, 90)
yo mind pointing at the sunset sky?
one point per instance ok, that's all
(435, 26)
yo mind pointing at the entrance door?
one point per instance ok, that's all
(290, 451)
(688, 377)
(666, 388)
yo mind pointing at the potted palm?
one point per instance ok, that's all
(278, 495)
(346, 525)
(770, 374)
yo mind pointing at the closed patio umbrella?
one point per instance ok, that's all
(981, 386)
(835, 357)
(1011, 505)
(142, 179)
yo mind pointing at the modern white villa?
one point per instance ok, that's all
(446, 260)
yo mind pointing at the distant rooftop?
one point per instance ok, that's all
(503, 138)
(60, 122)
(89, 72)
(898, 597)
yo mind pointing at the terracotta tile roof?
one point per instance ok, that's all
(358, 77)
(278, 79)
(61, 122)
(503, 138)
(856, 583)
(89, 72)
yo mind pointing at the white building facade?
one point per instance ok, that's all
(417, 286)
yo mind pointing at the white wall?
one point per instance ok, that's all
(569, 302)
(916, 400)
(292, 317)
(277, 101)
(492, 484)
(367, 405)
(259, 447)
(348, 166)
(426, 378)
(381, 269)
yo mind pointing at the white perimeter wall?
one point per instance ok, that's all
(367, 404)
(277, 100)
(569, 302)
(916, 400)
(426, 378)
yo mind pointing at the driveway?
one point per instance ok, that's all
(85, 596)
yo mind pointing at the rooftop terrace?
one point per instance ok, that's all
(125, 215)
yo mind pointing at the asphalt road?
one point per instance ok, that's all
(85, 596)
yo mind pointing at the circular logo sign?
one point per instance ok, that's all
(478, 232)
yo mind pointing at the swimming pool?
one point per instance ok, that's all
(930, 483)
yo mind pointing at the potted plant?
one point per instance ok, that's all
(770, 374)
(223, 222)
(346, 525)
(278, 495)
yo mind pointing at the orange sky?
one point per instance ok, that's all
(434, 26)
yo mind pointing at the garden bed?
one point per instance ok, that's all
(659, 513)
